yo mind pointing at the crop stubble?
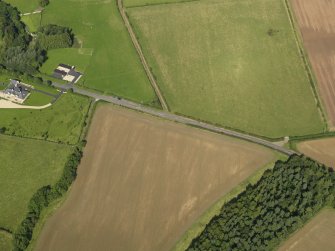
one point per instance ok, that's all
(144, 181)
(321, 149)
(318, 234)
(317, 25)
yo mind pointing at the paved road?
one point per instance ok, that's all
(140, 53)
(177, 118)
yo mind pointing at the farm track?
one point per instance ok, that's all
(177, 118)
(141, 55)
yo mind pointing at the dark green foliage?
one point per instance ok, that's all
(42, 198)
(12, 30)
(53, 36)
(43, 3)
(19, 59)
(267, 212)
(18, 51)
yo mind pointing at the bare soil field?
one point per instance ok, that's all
(144, 181)
(322, 150)
(318, 234)
(317, 25)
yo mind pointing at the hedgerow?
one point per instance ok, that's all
(43, 197)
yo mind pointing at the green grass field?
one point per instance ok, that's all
(215, 60)
(114, 66)
(32, 21)
(38, 99)
(137, 3)
(27, 165)
(71, 56)
(62, 122)
(24, 6)
(43, 87)
(5, 241)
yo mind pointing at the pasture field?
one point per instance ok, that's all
(318, 234)
(32, 21)
(70, 56)
(317, 25)
(61, 122)
(321, 149)
(233, 63)
(114, 66)
(5, 241)
(24, 6)
(26, 165)
(137, 3)
(143, 182)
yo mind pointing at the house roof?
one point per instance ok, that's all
(16, 89)
(59, 74)
(75, 74)
(65, 66)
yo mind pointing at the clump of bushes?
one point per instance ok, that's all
(54, 36)
(269, 211)
(271, 32)
(43, 3)
(19, 50)
(43, 197)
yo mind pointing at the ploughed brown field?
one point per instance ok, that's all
(316, 19)
(144, 181)
(318, 234)
(322, 150)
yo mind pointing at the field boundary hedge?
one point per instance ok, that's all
(295, 140)
(43, 197)
(306, 62)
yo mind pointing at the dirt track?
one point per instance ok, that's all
(144, 181)
(321, 150)
(318, 234)
(141, 55)
(317, 24)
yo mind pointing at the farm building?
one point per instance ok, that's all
(16, 91)
(67, 73)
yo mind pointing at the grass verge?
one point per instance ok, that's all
(201, 223)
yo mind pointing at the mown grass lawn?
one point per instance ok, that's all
(61, 122)
(114, 66)
(26, 165)
(77, 57)
(38, 99)
(234, 63)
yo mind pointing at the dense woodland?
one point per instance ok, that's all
(24, 52)
(268, 212)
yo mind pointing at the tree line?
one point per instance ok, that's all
(43, 197)
(266, 213)
(23, 52)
